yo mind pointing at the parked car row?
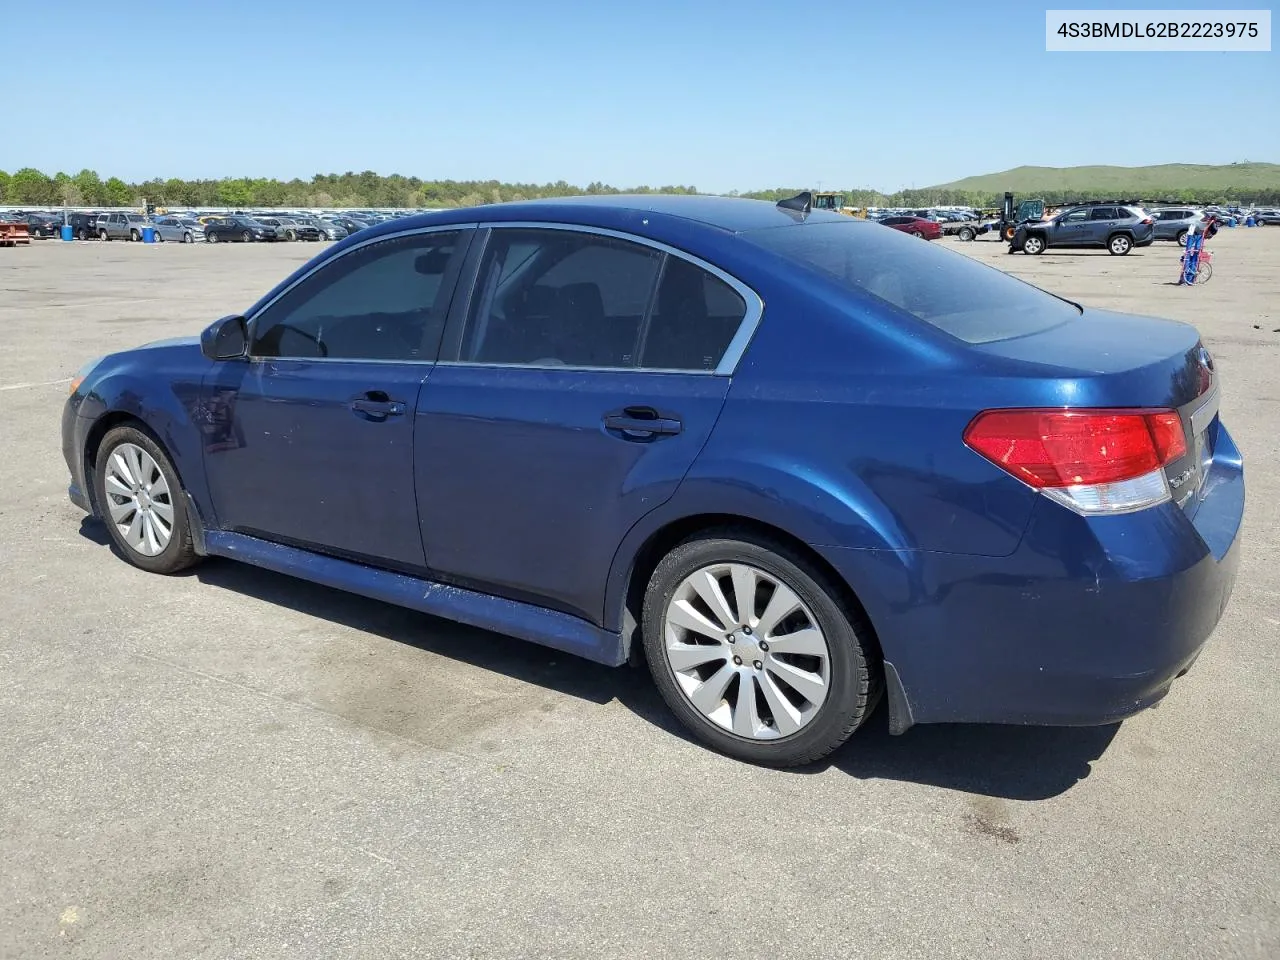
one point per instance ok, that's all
(193, 226)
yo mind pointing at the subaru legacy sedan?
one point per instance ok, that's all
(797, 463)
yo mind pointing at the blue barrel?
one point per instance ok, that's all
(67, 232)
(148, 234)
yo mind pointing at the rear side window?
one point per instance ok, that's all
(1105, 213)
(966, 299)
(694, 319)
(565, 298)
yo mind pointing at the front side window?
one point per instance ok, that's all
(385, 301)
(1076, 216)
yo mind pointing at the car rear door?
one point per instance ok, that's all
(310, 440)
(1102, 220)
(575, 389)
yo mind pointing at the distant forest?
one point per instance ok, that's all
(1247, 183)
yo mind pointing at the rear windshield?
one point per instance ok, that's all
(958, 295)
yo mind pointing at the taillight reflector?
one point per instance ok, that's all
(1067, 448)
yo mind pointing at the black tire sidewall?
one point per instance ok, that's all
(849, 699)
(179, 553)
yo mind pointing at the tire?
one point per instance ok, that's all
(848, 691)
(142, 515)
(159, 237)
(84, 234)
(211, 237)
(103, 235)
(966, 233)
(1204, 272)
(1119, 245)
(915, 233)
(188, 238)
(134, 236)
(247, 237)
(1008, 233)
(1182, 238)
(1033, 245)
(290, 235)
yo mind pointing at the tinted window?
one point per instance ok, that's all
(694, 319)
(556, 297)
(385, 301)
(966, 299)
(1076, 216)
(1104, 213)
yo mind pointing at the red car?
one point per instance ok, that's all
(916, 226)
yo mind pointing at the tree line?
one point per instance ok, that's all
(31, 187)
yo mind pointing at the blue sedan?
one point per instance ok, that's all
(795, 462)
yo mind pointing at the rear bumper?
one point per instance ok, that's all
(1089, 621)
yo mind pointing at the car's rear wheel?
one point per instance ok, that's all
(84, 234)
(247, 237)
(966, 233)
(1119, 245)
(1033, 245)
(752, 650)
(134, 236)
(141, 501)
(290, 235)
(1182, 238)
(914, 233)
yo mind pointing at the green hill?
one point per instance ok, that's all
(1196, 181)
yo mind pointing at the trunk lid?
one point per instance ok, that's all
(1106, 359)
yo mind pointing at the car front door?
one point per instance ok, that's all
(309, 441)
(573, 394)
(1070, 229)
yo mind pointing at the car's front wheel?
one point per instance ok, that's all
(1119, 245)
(247, 237)
(141, 501)
(211, 236)
(1033, 245)
(188, 238)
(103, 235)
(752, 650)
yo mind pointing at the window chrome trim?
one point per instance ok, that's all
(252, 318)
(733, 353)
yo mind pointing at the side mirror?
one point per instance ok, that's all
(225, 339)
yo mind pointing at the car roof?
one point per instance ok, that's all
(731, 214)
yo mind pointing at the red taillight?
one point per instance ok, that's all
(1063, 448)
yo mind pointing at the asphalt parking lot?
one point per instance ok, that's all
(237, 764)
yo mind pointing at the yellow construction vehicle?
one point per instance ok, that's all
(835, 203)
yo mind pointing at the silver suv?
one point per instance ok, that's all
(121, 226)
(1174, 223)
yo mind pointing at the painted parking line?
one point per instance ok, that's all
(37, 383)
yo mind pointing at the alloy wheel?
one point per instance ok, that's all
(139, 501)
(746, 651)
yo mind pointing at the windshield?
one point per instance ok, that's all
(966, 299)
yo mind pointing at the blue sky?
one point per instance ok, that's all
(721, 95)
